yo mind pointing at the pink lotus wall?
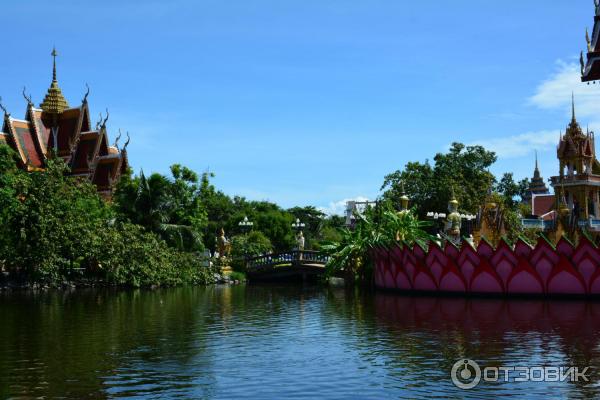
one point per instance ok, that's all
(522, 269)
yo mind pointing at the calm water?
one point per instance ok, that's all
(283, 342)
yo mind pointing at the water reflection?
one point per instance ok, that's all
(497, 333)
(281, 342)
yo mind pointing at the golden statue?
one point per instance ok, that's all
(223, 245)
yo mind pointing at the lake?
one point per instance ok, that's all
(276, 342)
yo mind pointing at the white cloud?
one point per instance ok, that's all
(555, 92)
(520, 145)
(339, 207)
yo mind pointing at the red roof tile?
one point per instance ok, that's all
(542, 204)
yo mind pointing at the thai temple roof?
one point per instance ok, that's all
(575, 143)
(55, 129)
(537, 185)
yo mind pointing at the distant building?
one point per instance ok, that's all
(356, 207)
(537, 185)
(55, 128)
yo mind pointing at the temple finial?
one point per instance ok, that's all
(27, 98)
(6, 113)
(536, 160)
(54, 102)
(87, 93)
(126, 142)
(54, 54)
(573, 106)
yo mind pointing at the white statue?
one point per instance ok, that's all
(300, 241)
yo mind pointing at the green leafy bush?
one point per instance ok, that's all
(52, 226)
(249, 245)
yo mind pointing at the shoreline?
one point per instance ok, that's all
(18, 285)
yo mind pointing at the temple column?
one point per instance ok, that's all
(596, 208)
(570, 200)
(586, 213)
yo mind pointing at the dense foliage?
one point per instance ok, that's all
(170, 208)
(463, 168)
(152, 233)
(248, 245)
(156, 228)
(268, 218)
(375, 227)
(52, 226)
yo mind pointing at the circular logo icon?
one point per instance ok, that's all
(465, 374)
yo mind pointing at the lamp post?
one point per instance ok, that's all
(245, 225)
(438, 218)
(298, 226)
(453, 221)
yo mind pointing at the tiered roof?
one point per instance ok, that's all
(575, 144)
(537, 185)
(56, 129)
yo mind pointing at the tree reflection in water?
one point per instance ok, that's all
(271, 342)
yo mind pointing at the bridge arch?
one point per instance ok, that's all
(296, 264)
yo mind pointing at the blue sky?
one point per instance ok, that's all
(306, 102)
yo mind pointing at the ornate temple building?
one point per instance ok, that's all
(57, 129)
(537, 185)
(590, 67)
(578, 183)
(538, 195)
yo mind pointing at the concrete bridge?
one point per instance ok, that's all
(292, 265)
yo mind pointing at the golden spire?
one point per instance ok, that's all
(54, 102)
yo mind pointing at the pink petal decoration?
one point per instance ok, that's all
(485, 249)
(423, 279)
(486, 280)
(522, 248)
(418, 252)
(451, 251)
(452, 280)
(524, 280)
(587, 267)
(565, 279)
(564, 247)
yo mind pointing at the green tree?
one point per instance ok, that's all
(53, 226)
(171, 208)
(314, 221)
(513, 192)
(462, 168)
(248, 245)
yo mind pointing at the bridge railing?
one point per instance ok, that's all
(288, 257)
